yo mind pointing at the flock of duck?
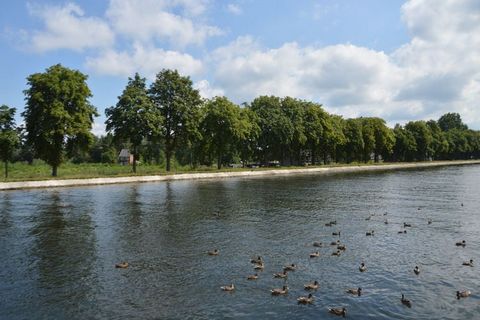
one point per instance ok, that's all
(259, 265)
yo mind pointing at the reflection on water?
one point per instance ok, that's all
(59, 247)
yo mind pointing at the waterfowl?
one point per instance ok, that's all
(429, 221)
(336, 233)
(461, 204)
(461, 243)
(281, 275)
(259, 266)
(328, 224)
(362, 267)
(317, 244)
(278, 291)
(405, 225)
(404, 231)
(333, 222)
(357, 292)
(214, 252)
(252, 277)
(305, 300)
(258, 260)
(386, 221)
(291, 267)
(342, 247)
(416, 270)
(122, 265)
(463, 294)
(336, 253)
(334, 243)
(228, 288)
(312, 285)
(369, 233)
(368, 218)
(314, 254)
(468, 263)
(405, 301)
(338, 311)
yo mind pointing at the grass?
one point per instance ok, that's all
(41, 171)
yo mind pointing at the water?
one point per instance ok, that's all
(59, 247)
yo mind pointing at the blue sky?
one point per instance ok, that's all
(400, 60)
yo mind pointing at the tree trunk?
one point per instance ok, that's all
(168, 156)
(134, 159)
(219, 162)
(6, 169)
(54, 170)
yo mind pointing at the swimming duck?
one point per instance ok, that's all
(336, 233)
(416, 270)
(362, 267)
(312, 285)
(122, 265)
(317, 244)
(333, 222)
(404, 231)
(314, 254)
(370, 233)
(336, 253)
(252, 277)
(258, 260)
(386, 221)
(291, 267)
(468, 263)
(429, 221)
(281, 275)
(214, 252)
(277, 291)
(461, 243)
(463, 294)
(405, 225)
(259, 266)
(338, 311)
(228, 288)
(405, 301)
(342, 247)
(368, 218)
(305, 300)
(334, 243)
(328, 224)
(357, 292)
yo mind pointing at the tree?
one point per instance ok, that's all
(133, 118)
(451, 121)
(354, 140)
(251, 130)
(405, 145)
(423, 139)
(9, 139)
(316, 127)
(178, 104)
(58, 115)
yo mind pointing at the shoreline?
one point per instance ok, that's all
(222, 175)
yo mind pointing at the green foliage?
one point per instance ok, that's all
(451, 121)
(178, 104)
(423, 139)
(58, 115)
(9, 139)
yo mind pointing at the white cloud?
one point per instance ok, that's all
(206, 90)
(146, 20)
(145, 60)
(234, 9)
(66, 27)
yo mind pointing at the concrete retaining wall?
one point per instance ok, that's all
(221, 175)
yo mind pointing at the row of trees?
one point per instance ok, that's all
(169, 120)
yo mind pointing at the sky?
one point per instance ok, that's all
(400, 60)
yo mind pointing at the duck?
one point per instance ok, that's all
(228, 288)
(405, 225)
(463, 294)
(461, 243)
(312, 285)
(291, 267)
(259, 266)
(370, 233)
(305, 300)
(281, 275)
(336, 233)
(368, 218)
(403, 231)
(214, 252)
(258, 260)
(336, 253)
(386, 221)
(357, 292)
(317, 244)
(342, 247)
(334, 222)
(328, 224)
(122, 265)
(468, 263)
(405, 301)
(416, 270)
(338, 311)
(252, 277)
(362, 267)
(315, 254)
(429, 221)
(335, 243)
(278, 291)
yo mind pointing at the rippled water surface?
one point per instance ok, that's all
(59, 247)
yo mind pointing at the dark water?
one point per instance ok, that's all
(59, 247)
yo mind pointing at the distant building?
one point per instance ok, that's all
(125, 157)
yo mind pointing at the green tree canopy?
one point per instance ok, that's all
(133, 118)
(9, 139)
(451, 121)
(178, 104)
(58, 115)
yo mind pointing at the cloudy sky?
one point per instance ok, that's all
(400, 60)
